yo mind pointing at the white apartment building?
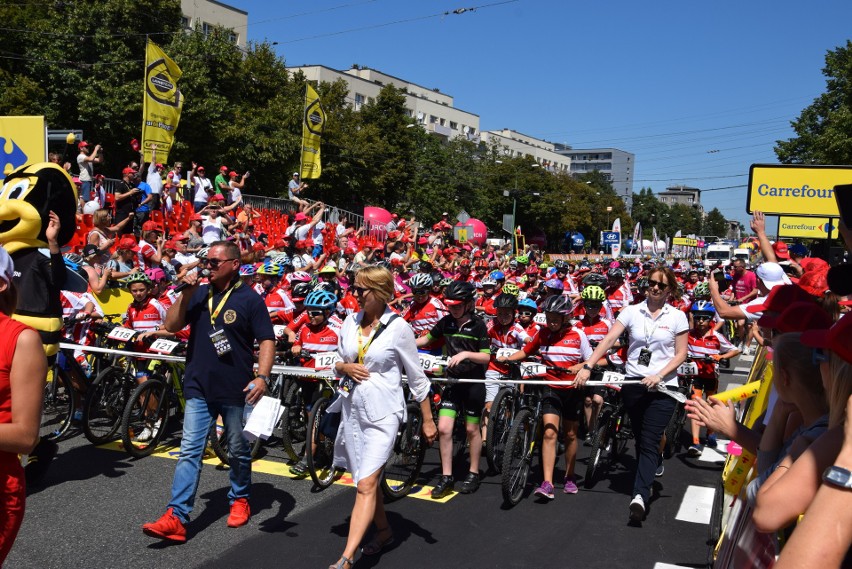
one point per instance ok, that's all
(208, 13)
(517, 144)
(616, 165)
(429, 107)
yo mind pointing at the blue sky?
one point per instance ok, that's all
(698, 92)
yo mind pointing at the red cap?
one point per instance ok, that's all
(300, 244)
(180, 237)
(223, 168)
(127, 171)
(233, 174)
(450, 302)
(169, 245)
(216, 198)
(393, 235)
(280, 243)
(300, 216)
(798, 317)
(151, 226)
(200, 168)
(813, 264)
(196, 217)
(423, 241)
(838, 338)
(780, 249)
(394, 216)
(159, 166)
(258, 247)
(349, 251)
(128, 243)
(170, 175)
(83, 144)
(780, 297)
(396, 262)
(815, 283)
(464, 263)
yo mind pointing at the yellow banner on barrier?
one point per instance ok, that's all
(161, 103)
(807, 191)
(312, 135)
(688, 241)
(23, 140)
(806, 227)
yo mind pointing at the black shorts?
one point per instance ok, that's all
(466, 397)
(567, 403)
(706, 383)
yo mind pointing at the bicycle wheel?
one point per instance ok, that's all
(219, 444)
(104, 405)
(623, 434)
(319, 453)
(673, 432)
(601, 439)
(517, 457)
(403, 466)
(499, 423)
(293, 421)
(58, 405)
(145, 416)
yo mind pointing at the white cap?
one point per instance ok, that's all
(7, 266)
(772, 275)
(295, 173)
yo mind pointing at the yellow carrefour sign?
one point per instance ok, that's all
(806, 227)
(23, 140)
(688, 241)
(782, 189)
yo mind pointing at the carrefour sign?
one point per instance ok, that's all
(807, 191)
(806, 227)
(22, 140)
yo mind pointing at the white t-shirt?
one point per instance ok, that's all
(201, 185)
(236, 194)
(86, 169)
(657, 335)
(154, 180)
(753, 316)
(316, 233)
(212, 230)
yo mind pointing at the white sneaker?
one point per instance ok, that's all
(637, 509)
(148, 433)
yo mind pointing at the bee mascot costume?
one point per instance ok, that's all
(38, 204)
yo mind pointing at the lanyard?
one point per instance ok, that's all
(654, 329)
(215, 313)
(362, 348)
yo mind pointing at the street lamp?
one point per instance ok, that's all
(608, 211)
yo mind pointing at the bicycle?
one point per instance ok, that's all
(319, 450)
(403, 466)
(687, 372)
(611, 433)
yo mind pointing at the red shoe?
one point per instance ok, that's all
(167, 527)
(240, 513)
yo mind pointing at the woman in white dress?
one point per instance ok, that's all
(374, 346)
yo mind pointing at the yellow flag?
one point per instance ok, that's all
(162, 102)
(311, 135)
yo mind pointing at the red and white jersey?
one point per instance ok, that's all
(617, 300)
(563, 350)
(72, 304)
(167, 299)
(303, 319)
(605, 313)
(349, 303)
(143, 257)
(146, 317)
(594, 332)
(317, 340)
(279, 305)
(628, 294)
(710, 344)
(533, 330)
(486, 304)
(570, 286)
(513, 336)
(424, 317)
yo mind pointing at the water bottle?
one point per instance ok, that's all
(248, 407)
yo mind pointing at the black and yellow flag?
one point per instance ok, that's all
(312, 135)
(162, 102)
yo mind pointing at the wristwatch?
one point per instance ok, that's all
(587, 367)
(838, 477)
(265, 378)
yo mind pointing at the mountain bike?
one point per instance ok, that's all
(611, 432)
(687, 372)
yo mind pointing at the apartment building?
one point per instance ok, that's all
(209, 13)
(616, 165)
(519, 144)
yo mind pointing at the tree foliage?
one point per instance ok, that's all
(824, 129)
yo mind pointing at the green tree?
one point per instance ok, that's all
(715, 224)
(824, 129)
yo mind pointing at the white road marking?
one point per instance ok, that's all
(716, 455)
(697, 505)
(743, 370)
(667, 566)
(749, 358)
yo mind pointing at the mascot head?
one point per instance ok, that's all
(28, 195)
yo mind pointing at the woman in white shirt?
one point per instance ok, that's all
(374, 346)
(658, 345)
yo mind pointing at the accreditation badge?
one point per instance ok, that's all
(220, 342)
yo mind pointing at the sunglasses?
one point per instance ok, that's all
(526, 313)
(661, 285)
(819, 356)
(315, 313)
(420, 291)
(700, 318)
(359, 290)
(215, 263)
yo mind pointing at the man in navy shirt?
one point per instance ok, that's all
(225, 319)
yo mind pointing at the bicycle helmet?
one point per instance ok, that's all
(512, 289)
(522, 260)
(282, 259)
(701, 290)
(560, 265)
(202, 253)
(528, 303)
(446, 281)
(543, 266)
(300, 291)
(703, 308)
(139, 277)
(595, 279)
(155, 274)
(480, 264)
(425, 267)
(498, 275)
(488, 281)
(421, 281)
(554, 283)
(271, 269)
(73, 261)
(506, 300)
(352, 268)
(328, 270)
(633, 270)
(558, 303)
(615, 273)
(642, 283)
(532, 270)
(513, 264)
(594, 293)
(247, 270)
(458, 292)
(299, 277)
(321, 299)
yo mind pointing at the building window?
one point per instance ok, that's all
(443, 121)
(454, 125)
(233, 37)
(433, 119)
(185, 22)
(206, 28)
(359, 101)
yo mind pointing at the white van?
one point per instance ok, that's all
(718, 253)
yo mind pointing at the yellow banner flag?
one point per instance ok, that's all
(312, 135)
(162, 102)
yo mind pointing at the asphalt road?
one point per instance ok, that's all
(89, 510)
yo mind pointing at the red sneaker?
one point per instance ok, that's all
(167, 527)
(240, 513)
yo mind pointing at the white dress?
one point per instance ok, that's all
(371, 415)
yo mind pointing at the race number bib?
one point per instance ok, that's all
(612, 379)
(120, 334)
(687, 368)
(163, 346)
(278, 329)
(325, 360)
(533, 370)
(540, 319)
(506, 352)
(431, 363)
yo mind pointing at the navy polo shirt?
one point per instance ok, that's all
(245, 319)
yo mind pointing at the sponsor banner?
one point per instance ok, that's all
(806, 191)
(806, 227)
(609, 237)
(312, 135)
(23, 140)
(162, 102)
(687, 241)
(463, 233)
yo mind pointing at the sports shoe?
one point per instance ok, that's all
(545, 490)
(711, 441)
(661, 468)
(240, 513)
(570, 487)
(299, 469)
(587, 442)
(470, 484)
(694, 450)
(444, 487)
(148, 433)
(637, 509)
(168, 527)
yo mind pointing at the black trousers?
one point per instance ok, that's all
(649, 412)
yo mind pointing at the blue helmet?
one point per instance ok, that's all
(528, 303)
(497, 275)
(703, 307)
(247, 270)
(554, 283)
(321, 299)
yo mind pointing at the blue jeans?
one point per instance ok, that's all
(197, 420)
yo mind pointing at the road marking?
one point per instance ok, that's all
(743, 370)
(668, 566)
(276, 468)
(749, 358)
(715, 455)
(697, 505)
